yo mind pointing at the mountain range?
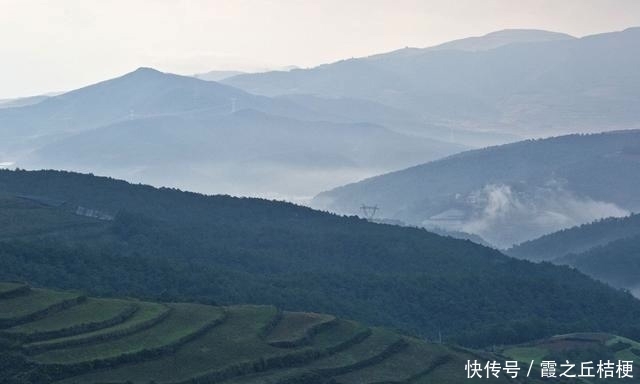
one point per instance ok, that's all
(216, 138)
(316, 129)
(291, 134)
(217, 75)
(543, 85)
(511, 193)
(501, 38)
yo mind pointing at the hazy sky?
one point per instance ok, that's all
(59, 45)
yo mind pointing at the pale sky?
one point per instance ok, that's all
(48, 46)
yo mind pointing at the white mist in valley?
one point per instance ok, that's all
(505, 215)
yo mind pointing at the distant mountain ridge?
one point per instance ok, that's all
(485, 42)
(420, 105)
(217, 75)
(504, 37)
(511, 193)
(142, 124)
(247, 152)
(531, 89)
(22, 101)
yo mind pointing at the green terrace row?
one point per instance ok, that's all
(70, 338)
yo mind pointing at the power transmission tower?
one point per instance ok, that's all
(369, 211)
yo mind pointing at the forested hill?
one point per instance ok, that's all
(511, 193)
(577, 239)
(106, 236)
(607, 249)
(617, 263)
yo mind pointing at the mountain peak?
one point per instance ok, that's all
(145, 71)
(529, 34)
(502, 37)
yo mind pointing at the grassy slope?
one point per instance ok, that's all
(8, 288)
(294, 327)
(184, 320)
(416, 360)
(236, 340)
(146, 312)
(36, 300)
(372, 348)
(235, 349)
(90, 312)
(580, 347)
(542, 348)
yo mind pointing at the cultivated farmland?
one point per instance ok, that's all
(66, 338)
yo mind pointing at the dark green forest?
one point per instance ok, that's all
(170, 245)
(606, 249)
(577, 239)
(617, 262)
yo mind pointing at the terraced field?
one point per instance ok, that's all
(11, 289)
(90, 340)
(606, 345)
(146, 315)
(93, 314)
(294, 329)
(34, 304)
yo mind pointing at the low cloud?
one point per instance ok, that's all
(506, 214)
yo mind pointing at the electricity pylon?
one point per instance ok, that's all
(369, 211)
